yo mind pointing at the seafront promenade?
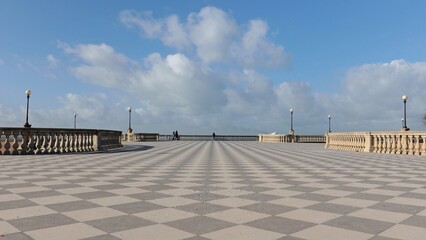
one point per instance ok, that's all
(213, 190)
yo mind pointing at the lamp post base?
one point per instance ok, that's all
(404, 129)
(27, 125)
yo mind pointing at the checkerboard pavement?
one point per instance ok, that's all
(214, 190)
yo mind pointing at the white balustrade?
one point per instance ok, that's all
(407, 142)
(46, 140)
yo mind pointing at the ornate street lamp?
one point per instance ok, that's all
(405, 128)
(75, 120)
(28, 93)
(291, 120)
(130, 119)
(329, 123)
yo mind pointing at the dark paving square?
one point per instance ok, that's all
(360, 224)
(38, 222)
(268, 208)
(418, 221)
(120, 223)
(47, 193)
(370, 196)
(200, 225)
(260, 197)
(72, 206)
(202, 208)
(333, 208)
(136, 207)
(93, 195)
(204, 196)
(315, 197)
(279, 224)
(16, 204)
(394, 207)
(148, 195)
(102, 237)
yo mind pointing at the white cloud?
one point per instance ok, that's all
(215, 35)
(53, 62)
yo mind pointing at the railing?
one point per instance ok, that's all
(404, 142)
(210, 137)
(50, 140)
(288, 138)
(141, 137)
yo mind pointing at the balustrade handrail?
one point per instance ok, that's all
(56, 140)
(291, 138)
(394, 142)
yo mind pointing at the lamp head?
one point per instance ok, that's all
(291, 110)
(28, 92)
(130, 109)
(404, 97)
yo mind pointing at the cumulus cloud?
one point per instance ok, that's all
(215, 36)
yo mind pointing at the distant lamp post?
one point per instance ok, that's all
(329, 123)
(291, 121)
(130, 119)
(405, 128)
(75, 120)
(28, 93)
(402, 121)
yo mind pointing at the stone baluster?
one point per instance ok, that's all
(423, 151)
(393, 146)
(43, 143)
(410, 144)
(37, 143)
(417, 146)
(51, 143)
(20, 148)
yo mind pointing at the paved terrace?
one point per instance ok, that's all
(214, 190)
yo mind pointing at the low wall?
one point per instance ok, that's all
(210, 137)
(288, 138)
(53, 140)
(141, 137)
(407, 142)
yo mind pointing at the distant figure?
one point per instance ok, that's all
(214, 136)
(177, 135)
(174, 135)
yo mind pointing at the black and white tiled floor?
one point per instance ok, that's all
(214, 190)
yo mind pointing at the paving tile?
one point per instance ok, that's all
(309, 215)
(322, 232)
(360, 224)
(396, 207)
(153, 232)
(65, 232)
(199, 225)
(165, 215)
(418, 221)
(333, 208)
(119, 223)
(279, 224)
(404, 232)
(268, 208)
(238, 216)
(93, 214)
(16, 204)
(38, 222)
(241, 232)
(72, 206)
(17, 236)
(25, 212)
(202, 208)
(380, 215)
(136, 207)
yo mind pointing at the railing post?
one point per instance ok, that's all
(368, 143)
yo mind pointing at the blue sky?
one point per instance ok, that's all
(223, 66)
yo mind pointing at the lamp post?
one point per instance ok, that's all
(291, 121)
(402, 121)
(329, 123)
(75, 120)
(405, 128)
(28, 93)
(130, 119)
